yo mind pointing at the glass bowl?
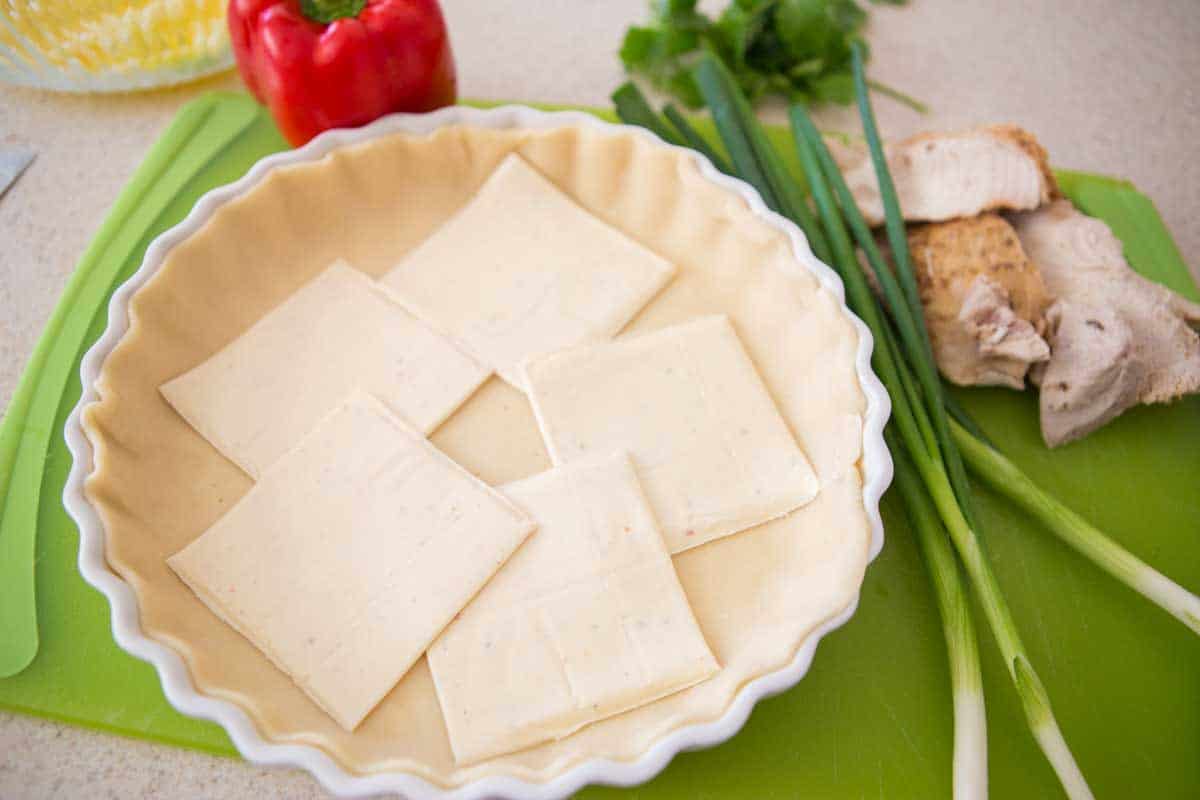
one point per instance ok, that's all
(111, 45)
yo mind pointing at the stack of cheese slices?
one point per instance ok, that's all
(542, 605)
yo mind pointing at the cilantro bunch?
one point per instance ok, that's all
(797, 49)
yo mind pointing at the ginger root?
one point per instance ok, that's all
(1117, 339)
(983, 300)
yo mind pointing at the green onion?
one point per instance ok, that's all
(960, 415)
(917, 408)
(970, 717)
(733, 131)
(910, 329)
(970, 727)
(949, 490)
(1002, 475)
(896, 232)
(694, 140)
(633, 109)
(1045, 729)
(754, 159)
(908, 415)
(907, 411)
(920, 348)
(899, 96)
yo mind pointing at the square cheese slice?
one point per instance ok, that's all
(710, 447)
(271, 385)
(351, 554)
(522, 270)
(586, 620)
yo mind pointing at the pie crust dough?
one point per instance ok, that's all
(757, 596)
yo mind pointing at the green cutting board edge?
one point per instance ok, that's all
(873, 717)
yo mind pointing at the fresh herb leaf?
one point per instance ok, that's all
(683, 85)
(805, 25)
(638, 48)
(795, 49)
(849, 16)
(837, 87)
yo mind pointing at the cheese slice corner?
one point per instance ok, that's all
(523, 270)
(350, 555)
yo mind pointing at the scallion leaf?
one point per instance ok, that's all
(731, 126)
(917, 338)
(633, 109)
(752, 154)
(916, 436)
(962, 649)
(990, 466)
(694, 140)
(951, 494)
(899, 96)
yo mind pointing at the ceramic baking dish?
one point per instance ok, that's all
(874, 465)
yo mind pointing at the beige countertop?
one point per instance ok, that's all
(1108, 86)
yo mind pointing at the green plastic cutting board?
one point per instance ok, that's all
(872, 718)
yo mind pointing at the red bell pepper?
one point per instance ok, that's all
(320, 64)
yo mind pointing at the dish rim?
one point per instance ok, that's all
(876, 468)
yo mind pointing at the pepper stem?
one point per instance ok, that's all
(327, 11)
